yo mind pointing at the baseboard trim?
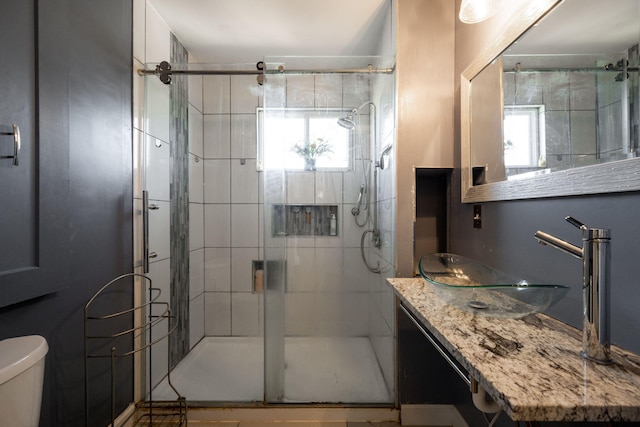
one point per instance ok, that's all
(293, 414)
(431, 415)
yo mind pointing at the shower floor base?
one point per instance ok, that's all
(317, 370)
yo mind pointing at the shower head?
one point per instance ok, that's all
(347, 121)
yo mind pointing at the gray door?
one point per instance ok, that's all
(27, 264)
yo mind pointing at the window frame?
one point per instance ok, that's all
(307, 114)
(537, 139)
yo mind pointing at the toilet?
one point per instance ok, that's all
(21, 378)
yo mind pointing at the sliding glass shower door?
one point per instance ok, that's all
(328, 333)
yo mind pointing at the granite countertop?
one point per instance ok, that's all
(530, 366)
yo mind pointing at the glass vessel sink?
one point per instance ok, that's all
(476, 287)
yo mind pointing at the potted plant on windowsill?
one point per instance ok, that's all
(310, 151)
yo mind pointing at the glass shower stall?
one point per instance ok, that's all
(289, 236)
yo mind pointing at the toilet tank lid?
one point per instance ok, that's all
(19, 354)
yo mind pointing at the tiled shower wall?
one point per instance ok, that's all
(232, 214)
(328, 285)
(582, 124)
(152, 44)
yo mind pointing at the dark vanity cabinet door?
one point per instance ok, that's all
(32, 221)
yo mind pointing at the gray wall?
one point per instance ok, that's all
(506, 242)
(85, 75)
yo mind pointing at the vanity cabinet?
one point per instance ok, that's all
(424, 376)
(531, 366)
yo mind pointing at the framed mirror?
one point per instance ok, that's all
(551, 107)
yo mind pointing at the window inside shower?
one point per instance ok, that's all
(300, 135)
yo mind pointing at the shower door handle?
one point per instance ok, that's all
(145, 231)
(146, 207)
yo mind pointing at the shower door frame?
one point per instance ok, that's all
(273, 303)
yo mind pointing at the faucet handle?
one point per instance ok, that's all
(589, 233)
(571, 220)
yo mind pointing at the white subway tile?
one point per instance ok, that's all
(245, 93)
(356, 90)
(300, 91)
(216, 97)
(244, 181)
(196, 273)
(196, 131)
(196, 91)
(196, 226)
(328, 188)
(217, 226)
(301, 187)
(328, 91)
(244, 225)
(329, 270)
(244, 136)
(217, 314)
(301, 269)
(356, 276)
(217, 136)
(196, 179)
(218, 269)
(217, 181)
(245, 312)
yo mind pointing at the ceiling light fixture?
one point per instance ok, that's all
(474, 11)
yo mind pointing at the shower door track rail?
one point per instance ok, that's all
(164, 71)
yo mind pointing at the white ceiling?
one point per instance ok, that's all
(584, 27)
(244, 31)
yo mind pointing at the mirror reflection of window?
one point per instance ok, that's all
(524, 146)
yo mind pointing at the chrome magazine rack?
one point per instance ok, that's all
(153, 411)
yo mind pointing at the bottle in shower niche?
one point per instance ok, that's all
(333, 231)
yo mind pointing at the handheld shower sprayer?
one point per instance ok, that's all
(383, 156)
(355, 211)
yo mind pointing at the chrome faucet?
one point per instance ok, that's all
(595, 254)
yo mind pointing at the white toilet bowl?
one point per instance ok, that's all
(21, 378)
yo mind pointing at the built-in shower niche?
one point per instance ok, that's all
(305, 220)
